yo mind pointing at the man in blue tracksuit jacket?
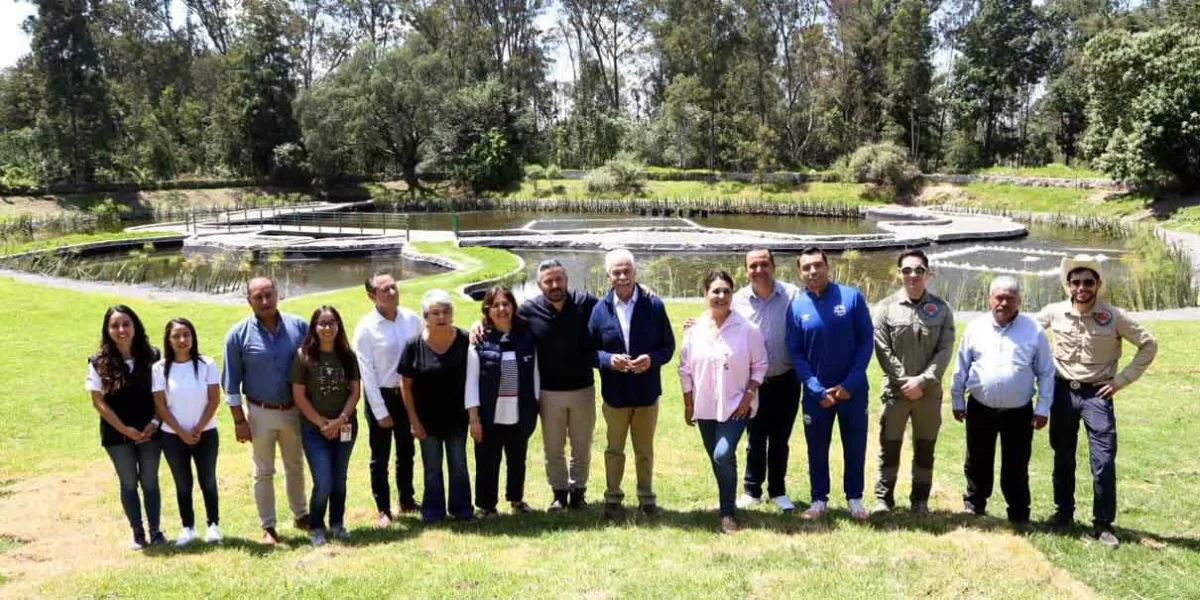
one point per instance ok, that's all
(633, 340)
(830, 337)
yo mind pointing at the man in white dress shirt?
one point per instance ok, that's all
(378, 340)
(1001, 356)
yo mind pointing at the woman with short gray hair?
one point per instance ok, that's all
(433, 384)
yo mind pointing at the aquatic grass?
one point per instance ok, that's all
(654, 207)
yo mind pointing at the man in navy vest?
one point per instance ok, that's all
(632, 335)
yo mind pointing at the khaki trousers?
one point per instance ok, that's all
(638, 422)
(926, 417)
(568, 415)
(268, 428)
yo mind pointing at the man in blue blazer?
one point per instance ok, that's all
(632, 334)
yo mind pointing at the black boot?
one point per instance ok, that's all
(577, 501)
(560, 501)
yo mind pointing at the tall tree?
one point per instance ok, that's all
(261, 89)
(376, 114)
(610, 32)
(908, 73)
(1144, 104)
(79, 123)
(1003, 54)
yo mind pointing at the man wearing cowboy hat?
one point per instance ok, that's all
(1087, 334)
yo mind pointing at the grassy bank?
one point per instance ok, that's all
(57, 492)
(14, 247)
(1015, 198)
(1057, 170)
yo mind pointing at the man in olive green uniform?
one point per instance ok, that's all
(914, 341)
(1087, 334)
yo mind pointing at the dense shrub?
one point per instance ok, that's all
(624, 173)
(883, 165)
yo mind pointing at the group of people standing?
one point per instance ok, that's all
(757, 359)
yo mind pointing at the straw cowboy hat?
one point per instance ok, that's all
(1083, 261)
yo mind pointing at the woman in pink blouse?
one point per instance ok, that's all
(722, 362)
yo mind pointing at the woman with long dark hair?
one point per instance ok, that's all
(186, 394)
(119, 381)
(325, 387)
(505, 412)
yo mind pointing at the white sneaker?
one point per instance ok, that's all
(815, 510)
(213, 534)
(784, 503)
(746, 501)
(187, 535)
(857, 510)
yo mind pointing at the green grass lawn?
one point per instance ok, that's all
(62, 531)
(14, 247)
(1051, 170)
(1067, 201)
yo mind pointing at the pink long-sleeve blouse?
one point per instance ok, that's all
(717, 364)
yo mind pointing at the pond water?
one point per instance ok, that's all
(222, 273)
(962, 270)
(543, 221)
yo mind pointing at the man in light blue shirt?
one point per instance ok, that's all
(258, 354)
(1004, 363)
(765, 303)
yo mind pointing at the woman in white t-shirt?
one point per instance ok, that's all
(119, 383)
(186, 394)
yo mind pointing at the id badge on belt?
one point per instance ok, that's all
(346, 431)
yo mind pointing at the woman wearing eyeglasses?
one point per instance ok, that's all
(914, 341)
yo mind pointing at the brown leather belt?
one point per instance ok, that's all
(287, 406)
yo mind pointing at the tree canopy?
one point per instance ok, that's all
(303, 90)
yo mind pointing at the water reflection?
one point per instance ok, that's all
(224, 273)
(962, 278)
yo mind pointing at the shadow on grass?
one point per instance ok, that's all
(537, 524)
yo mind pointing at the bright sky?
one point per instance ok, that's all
(13, 42)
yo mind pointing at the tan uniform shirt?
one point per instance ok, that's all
(913, 339)
(1087, 346)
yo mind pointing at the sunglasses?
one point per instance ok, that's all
(1086, 283)
(911, 270)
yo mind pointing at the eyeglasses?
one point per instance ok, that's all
(911, 270)
(1086, 283)
(326, 324)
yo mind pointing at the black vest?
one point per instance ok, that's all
(133, 404)
(490, 354)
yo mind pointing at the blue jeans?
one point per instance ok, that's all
(138, 464)
(433, 505)
(1100, 423)
(720, 442)
(180, 457)
(329, 462)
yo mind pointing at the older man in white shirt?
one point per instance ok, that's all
(378, 341)
(1001, 357)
